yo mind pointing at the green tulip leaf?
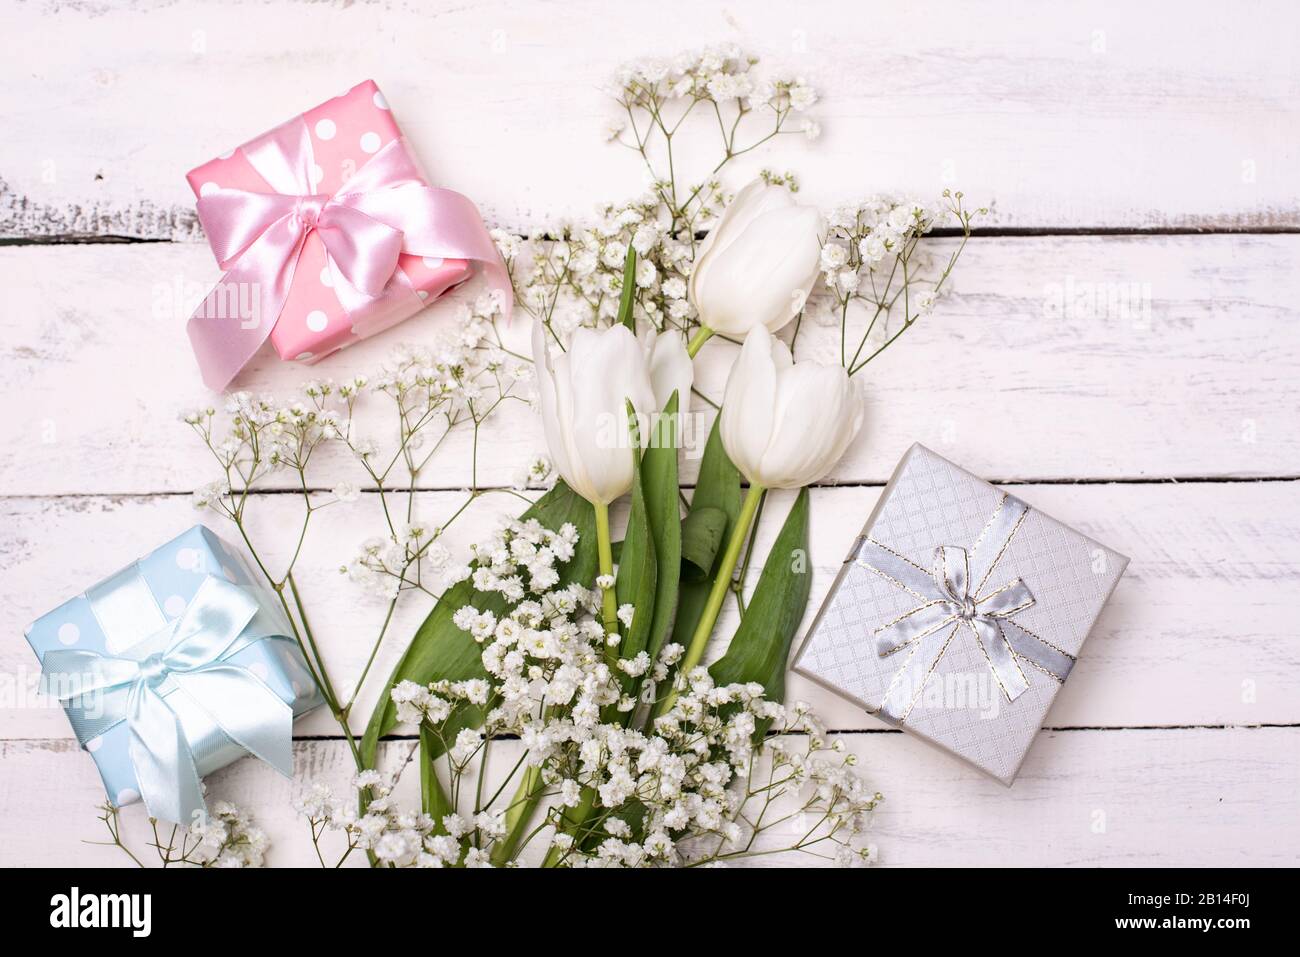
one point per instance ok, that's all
(635, 584)
(441, 651)
(659, 480)
(760, 649)
(717, 489)
(703, 532)
(628, 297)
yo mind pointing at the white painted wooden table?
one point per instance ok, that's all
(1140, 155)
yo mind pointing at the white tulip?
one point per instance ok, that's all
(786, 423)
(758, 264)
(583, 396)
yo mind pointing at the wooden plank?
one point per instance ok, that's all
(1122, 798)
(1172, 356)
(1199, 632)
(1112, 115)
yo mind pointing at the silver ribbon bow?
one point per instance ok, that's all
(185, 657)
(953, 599)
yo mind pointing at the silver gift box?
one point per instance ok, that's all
(959, 613)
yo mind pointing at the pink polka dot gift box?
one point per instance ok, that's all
(329, 232)
(174, 667)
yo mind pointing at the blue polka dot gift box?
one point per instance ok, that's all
(176, 666)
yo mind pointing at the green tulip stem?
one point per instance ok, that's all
(605, 556)
(702, 335)
(721, 585)
(518, 815)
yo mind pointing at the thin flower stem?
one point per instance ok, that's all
(738, 586)
(340, 714)
(572, 823)
(706, 399)
(880, 307)
(605, 558)
(113, 822)
(302, 645)
(374, 651)
(327, 687)
(500, 790)
(702, 335)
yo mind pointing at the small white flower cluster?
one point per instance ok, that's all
(382, 566)
(579, 279)
(462, 378)
(224, 836)
(265, 436)
(721, 75)
(539, 473)
(867, 234)
(873, 255)
(573, 274)
(692, 780)
(518, 559)
(461, 374)
(393, 837)
(227, 837)
(666, 791)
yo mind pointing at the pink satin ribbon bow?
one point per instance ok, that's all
(384, 210)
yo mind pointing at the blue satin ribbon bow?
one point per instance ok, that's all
(184, 657)
(953, 599)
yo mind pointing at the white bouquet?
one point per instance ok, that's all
(579, 655)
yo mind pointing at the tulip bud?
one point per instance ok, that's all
(785, 424)
(758, 264)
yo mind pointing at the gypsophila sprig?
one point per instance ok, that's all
(657, 96)
(873, 257)
(225, 837)
(457, 382)
(573, 274)
(394, 838)
(699, 785)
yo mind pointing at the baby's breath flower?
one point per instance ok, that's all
(347, 491)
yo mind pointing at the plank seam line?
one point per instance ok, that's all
(989, 232)
(1266, 726)
(1054, 728)
(1180, 480)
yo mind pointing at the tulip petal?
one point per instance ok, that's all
(804, 424)
(749, 403)
(751, 202)
(555, 395)
(818, 413)
(609, 371)
(671, 370)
